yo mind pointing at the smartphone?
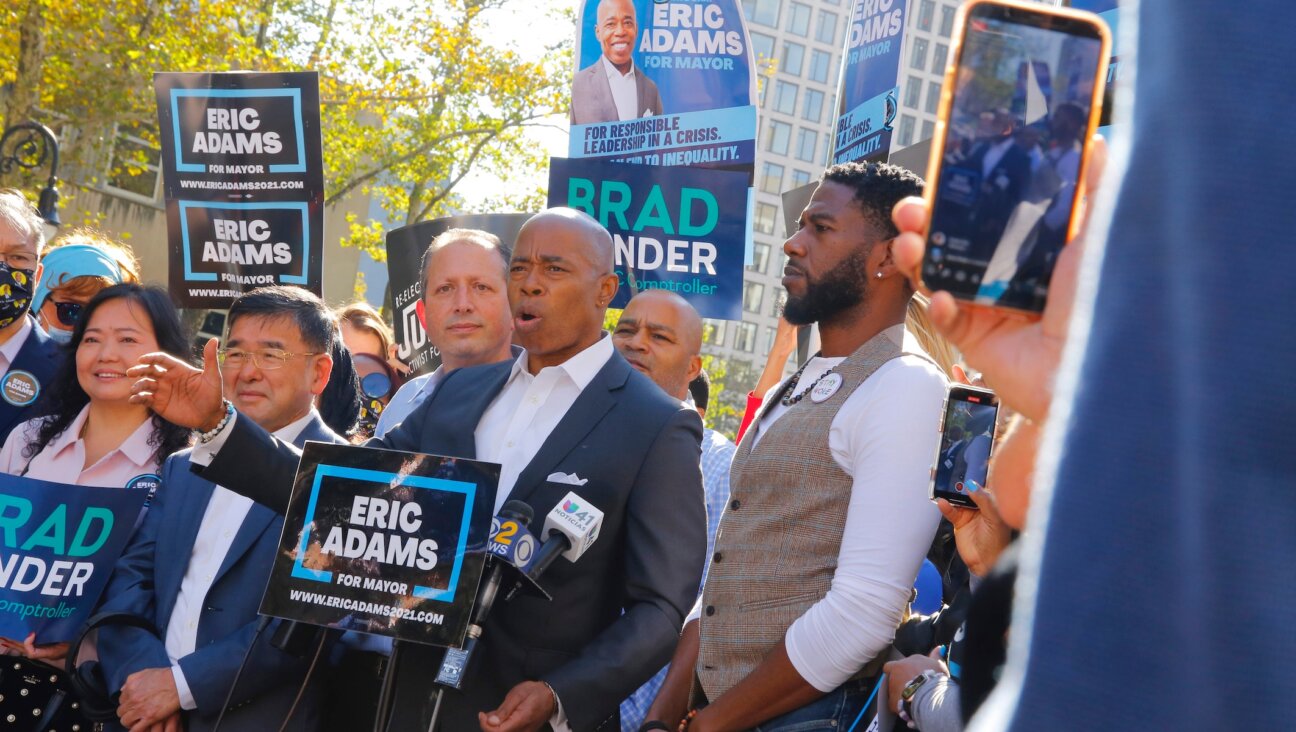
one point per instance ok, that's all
(1022, 97)
(967, 439)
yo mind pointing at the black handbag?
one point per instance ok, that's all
(36, 697)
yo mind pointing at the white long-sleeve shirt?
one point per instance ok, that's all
(884, 437)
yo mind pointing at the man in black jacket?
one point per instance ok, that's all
(569, 415)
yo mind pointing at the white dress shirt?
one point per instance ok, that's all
(884, 437)
(528, 408)
(994, 155)
(9, 351)
(222, 520)
(625, 89)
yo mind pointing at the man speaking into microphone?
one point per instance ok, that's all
(568, 416)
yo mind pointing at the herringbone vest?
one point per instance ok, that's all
(776, 549)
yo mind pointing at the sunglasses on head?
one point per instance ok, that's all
(68, 312)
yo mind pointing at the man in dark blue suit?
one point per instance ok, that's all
(568, 415)
(205, 608)
(28, 356)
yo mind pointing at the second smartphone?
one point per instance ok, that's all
(1020, 103)
(967, 439)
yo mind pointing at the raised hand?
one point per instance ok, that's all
(178, 392)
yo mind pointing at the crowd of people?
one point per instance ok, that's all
(765, 585)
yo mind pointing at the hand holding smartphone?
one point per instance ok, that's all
(1021, 100)
(967, 440)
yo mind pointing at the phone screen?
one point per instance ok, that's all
(963, 460)
(1019, 116)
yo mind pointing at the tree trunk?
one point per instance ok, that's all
(25, 95)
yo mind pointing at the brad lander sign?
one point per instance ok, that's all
(244, 182)
(383, 542)
(58, 546)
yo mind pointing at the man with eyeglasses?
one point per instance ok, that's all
(28, 356)
(274, 363)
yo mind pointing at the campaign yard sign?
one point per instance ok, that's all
(664, 83)
(869, 97)
(405, 248)
(383, 542)
(677, 229)
(58, 546)
(244, 183)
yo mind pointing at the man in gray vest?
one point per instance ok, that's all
(828, 518)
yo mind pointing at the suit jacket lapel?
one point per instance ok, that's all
(259, 517)
(582, 417)
(32, 358)
(603, 91)
(460, 403)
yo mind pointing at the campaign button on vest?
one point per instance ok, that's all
(20, 388)
(825, 388)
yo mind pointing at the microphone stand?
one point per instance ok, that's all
(387, 693)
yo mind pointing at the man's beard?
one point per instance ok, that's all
(842, 287)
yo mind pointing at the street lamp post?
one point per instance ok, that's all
(28, 146)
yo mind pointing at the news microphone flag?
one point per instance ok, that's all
(574, 518)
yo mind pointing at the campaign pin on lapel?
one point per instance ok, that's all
(20, 388)
(825, 388)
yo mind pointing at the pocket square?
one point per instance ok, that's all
(567, 479)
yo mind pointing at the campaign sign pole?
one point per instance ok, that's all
(676, 229)
(405, 248)
(868, 96)
(58, 546)
(244, 183)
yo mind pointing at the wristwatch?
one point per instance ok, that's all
(911, 690)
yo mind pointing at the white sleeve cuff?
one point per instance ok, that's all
(204, 452)
(696, 613)
(559, 719)
(182, 689)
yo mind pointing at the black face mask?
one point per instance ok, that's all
(15, 293)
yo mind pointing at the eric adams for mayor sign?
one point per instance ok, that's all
(244, 183)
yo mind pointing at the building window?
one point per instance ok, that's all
(745, 337)
(938, 58)
(760, 257)
(819, 63)
(753, 293)
(765, 12)
(793, 58)
(826, 30)
(913, 92)
(713, 331)
(947, 21)
(906, 130)
(799, 19)
(800, 178)
(785, 95)
(134, 167)
(918, 59)
(770, 333)
(929, 128)
(762, 45)
(925, 13)
(780, 297)
(807, 144)
(779, 135)
(765, 216)
(812, 105)
(772, 178)
(933, 97)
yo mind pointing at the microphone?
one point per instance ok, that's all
(513, 520)
(569, 531)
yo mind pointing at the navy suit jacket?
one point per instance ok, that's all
(146, 582)
(39, 356)
(616, 614)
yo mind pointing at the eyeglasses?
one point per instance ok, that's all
(266, 358)
(68, 312)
